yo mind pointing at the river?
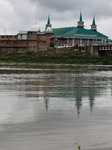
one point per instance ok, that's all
(55, 107)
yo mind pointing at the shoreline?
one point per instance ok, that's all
(52, 57)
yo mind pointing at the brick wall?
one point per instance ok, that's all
(34, 42)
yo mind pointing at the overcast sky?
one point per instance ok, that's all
(16, 15)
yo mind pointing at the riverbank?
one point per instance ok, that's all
(57, 58)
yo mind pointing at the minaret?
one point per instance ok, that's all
(80, 22)
(93, 26)
(48, 23)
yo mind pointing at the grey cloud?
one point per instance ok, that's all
(91, 7)
(23, 14)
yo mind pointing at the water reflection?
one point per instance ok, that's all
(57, 99)
(66, 84)
(91, 93)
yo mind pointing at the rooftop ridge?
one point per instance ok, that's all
(76, 31)
(64, 27)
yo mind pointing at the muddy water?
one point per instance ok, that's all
(52, 107)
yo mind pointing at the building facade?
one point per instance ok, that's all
(78, 36)
(35, 40)
(25, 41)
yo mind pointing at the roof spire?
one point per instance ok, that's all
(80, 22)
(48, 23)
(94, 21)
(48, 28)
(94, 26)
(80, 17)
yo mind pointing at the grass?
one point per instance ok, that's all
(76, 143)
(57, 57)
(79, 148)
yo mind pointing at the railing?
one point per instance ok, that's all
(105, 48)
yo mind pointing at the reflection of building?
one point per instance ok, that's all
(78, 36)
(46, 104)
(91, 93)
(39, 88)
(25, 41)
(46, 93)
(78, 100)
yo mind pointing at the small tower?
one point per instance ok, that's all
(48, 25)
(80, 22)
(93, 26)
(48, 29)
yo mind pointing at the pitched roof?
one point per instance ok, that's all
(75, 32)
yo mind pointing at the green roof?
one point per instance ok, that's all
(75, 32)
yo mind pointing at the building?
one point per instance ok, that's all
(101, 49)
(25, 41)
(78, 36)
(35, 40)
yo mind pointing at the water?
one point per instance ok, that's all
(52, 107)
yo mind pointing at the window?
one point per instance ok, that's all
(19, 36)
(24, 37)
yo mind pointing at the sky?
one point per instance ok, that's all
(17, 15)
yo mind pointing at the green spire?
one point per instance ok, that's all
(94, 26)
(80, 22)
(48, 22)
(80, 17)
(93, 21)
